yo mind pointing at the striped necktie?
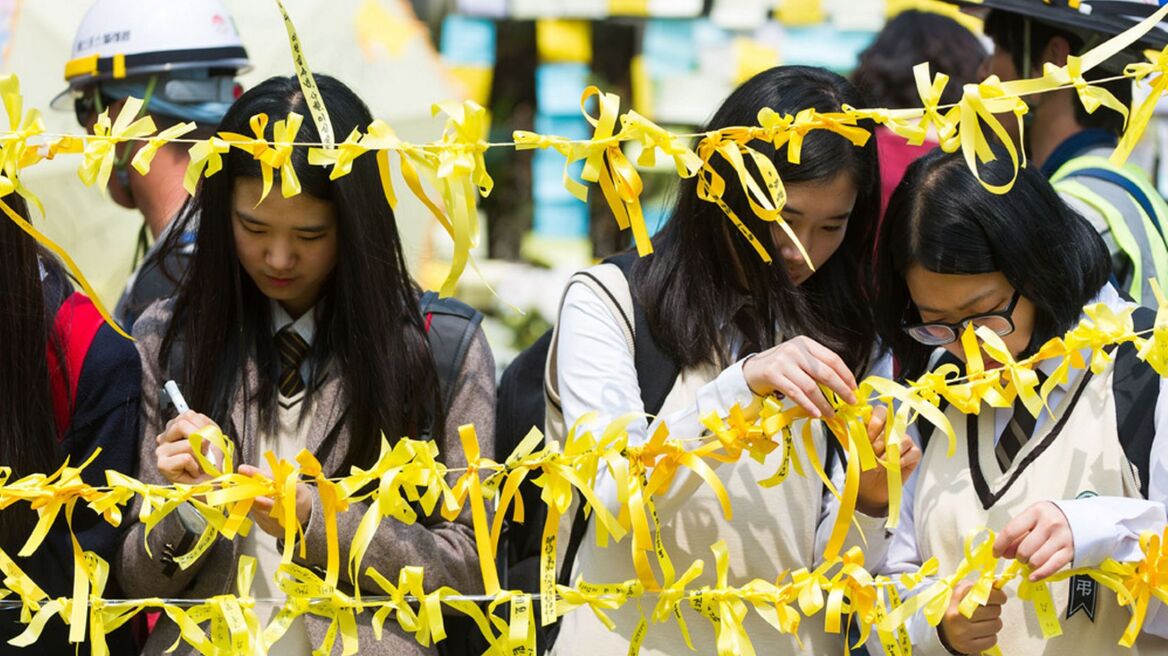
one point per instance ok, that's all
(292, 349)
(1018, 432)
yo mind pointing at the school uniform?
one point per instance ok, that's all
(444, 549)
(784, 527)
(95, 380)
(1073, 457)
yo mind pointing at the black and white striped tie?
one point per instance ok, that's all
(1018, 432)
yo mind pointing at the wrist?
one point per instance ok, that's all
(751, 385)
(945, 642)
(876, 509)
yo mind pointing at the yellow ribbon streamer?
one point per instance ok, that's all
(460, 168)
(606, 164)
(271, 156)
(101, 146)
(312, 97)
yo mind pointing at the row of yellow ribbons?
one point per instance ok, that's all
(455, 168)
(409, 476)
(842, 590)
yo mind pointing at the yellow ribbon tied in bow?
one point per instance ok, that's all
(275, 156)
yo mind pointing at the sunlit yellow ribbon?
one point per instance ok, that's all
(206, 160)
(460, 170)
(469, 485)
(15, 151)
(101, 146)
(979, 106)
(606, 164)
(146, 153)
(1154, 351)
(273, 156)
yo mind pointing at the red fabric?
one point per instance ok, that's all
(429, 320)
(74, 328)
(895, 156)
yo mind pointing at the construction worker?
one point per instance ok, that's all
(181, 59)
(1072, 146)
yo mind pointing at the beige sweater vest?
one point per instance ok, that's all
(1077, 452)
(773, 529)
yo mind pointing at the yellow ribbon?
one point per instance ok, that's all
(1154, 351)
(724, 607)
(426, 622)
(146, 153)
(732, 144)
(101, 146)
(978, 107)
(1155, 68)
(15, 151)
(1091, 96)
(312, 97)
(461, 168)
(469, 485)
(652, 138)
(606, 164)
(302, 584)
(1135, 584)
(206, 160)
(271, 156)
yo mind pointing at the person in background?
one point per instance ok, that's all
(1071, 146)
(884, 76)
(71, 385)
(180, 59)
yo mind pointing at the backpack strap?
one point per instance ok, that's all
(656, 371)
(1136, 387)
(451, 326)
(609, 286)
(1122, 180)
(75, 326)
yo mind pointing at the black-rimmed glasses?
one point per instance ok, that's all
(939, 333)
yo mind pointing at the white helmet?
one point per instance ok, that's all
(193, 40)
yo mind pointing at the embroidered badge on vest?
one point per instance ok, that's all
(1083, 588)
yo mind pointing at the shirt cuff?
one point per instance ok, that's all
(726, 391)
(925, 639)
(1109, 527)
(877, 538)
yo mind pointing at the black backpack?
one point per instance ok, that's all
(521, 405)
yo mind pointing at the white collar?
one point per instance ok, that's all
(305, 325)
(1107, 296)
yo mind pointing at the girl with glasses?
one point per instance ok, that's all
(1075, 485)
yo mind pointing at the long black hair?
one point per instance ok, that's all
(884, 73)
(702, 271)
(941, 218)
(29, 434)
(369, 323)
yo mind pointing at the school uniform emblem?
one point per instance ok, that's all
(1084, 589)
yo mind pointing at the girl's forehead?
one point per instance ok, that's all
(274, 208)
(945, 292)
